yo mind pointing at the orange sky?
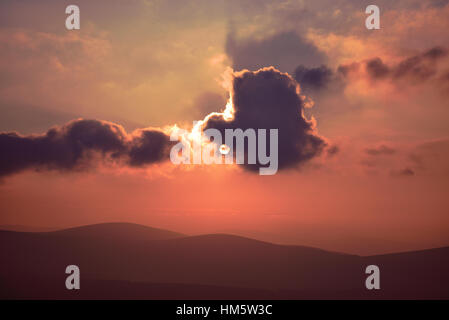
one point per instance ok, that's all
(157, 63)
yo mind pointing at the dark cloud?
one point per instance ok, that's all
(265, 99)
(435, 53)
(333, 150)
(78, 144)
(314, 78)
(149, 146)
(282, 51)
(417, 68)
(381, 150)
(269, 99)
(406, 172)
(377, 69)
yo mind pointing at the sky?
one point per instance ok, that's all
(363, 118)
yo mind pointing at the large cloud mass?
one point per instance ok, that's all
(270, 99)
(414, 69)
(264, 99)
(77, 144)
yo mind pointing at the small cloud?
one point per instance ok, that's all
(406, 172)
(381, 150)
(332, 150)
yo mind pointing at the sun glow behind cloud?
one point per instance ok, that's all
(127, 67)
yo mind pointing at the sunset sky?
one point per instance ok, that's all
(376, 181)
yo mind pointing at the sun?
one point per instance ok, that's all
(224, 149)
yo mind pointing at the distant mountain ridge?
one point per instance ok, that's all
(118, 230)
(122, 260)
(21, 228)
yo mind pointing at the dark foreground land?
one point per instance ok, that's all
(127, 261)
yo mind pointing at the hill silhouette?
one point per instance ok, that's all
(121, 260)
(117, 230)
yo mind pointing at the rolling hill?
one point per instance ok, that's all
(121, 260)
